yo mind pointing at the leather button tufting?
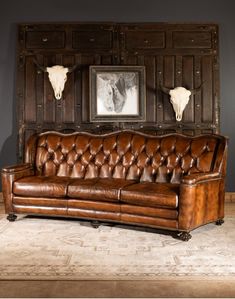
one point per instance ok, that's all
(126, 155)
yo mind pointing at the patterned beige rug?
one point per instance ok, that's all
(52, 249)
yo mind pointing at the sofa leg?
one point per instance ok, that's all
(95, 224)
(219, 222)
(184, 236)
(11, 217)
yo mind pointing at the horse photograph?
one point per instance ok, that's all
(117, 93)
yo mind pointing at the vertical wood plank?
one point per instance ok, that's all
(78, 92)
(68, 99)
(197, 83)
(97, 59)
(187, 82)
(27, 134)
(30, 97)
(106, 59)
(159, 94)
(207, 108)
(169, 82)
(150, 65)
(39, 92)
(178, 71)
(86, 61)
(21, 75)
(49, 99)
(216, 81)
(130, 60)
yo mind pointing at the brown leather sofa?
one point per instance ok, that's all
(173, 182)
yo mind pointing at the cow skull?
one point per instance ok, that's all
(179, 98)
(57, 75)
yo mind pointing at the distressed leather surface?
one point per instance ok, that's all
(103, 189)
(40, 186)
(151, 194)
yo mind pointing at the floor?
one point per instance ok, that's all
(121, 289)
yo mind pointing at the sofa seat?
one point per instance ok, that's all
(151, 194)
(101, 189)
(41, 186)
(146, 194)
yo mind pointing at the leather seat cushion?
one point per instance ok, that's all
(42, 186)
(98, 189)
(151, 194)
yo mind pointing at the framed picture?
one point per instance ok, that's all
(117, 93)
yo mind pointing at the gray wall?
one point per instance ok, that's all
(13, 12)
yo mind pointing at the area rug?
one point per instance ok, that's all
(59, 249)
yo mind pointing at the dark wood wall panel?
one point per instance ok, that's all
(197, 82)
(68, 102)
(207, 72)
(130, 60)
(39, 93)
(49, 99)
(30, 97)
(77, 92)
(85, 63)
(188, 81)
(49, 102)
(192, 39)
(150, 87)
(159, 94)
(172, 54)
(178, 70)
(169, 81)
(106, 59)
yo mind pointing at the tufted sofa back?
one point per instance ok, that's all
(125, 154)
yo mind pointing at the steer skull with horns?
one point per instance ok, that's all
(58, 76)
(179, 97)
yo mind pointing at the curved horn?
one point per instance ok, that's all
(165, 89)
(72, 68)
(195, 90)
(42, 68)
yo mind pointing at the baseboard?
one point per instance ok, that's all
(229, 197)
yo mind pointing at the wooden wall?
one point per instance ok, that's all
(173, 55)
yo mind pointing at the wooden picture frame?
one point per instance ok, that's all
(117, 93)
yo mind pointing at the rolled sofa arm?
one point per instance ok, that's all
(9, 175)
(17, 168)
(201, 199)
(199, 177)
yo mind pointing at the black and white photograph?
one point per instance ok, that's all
(117, 93)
